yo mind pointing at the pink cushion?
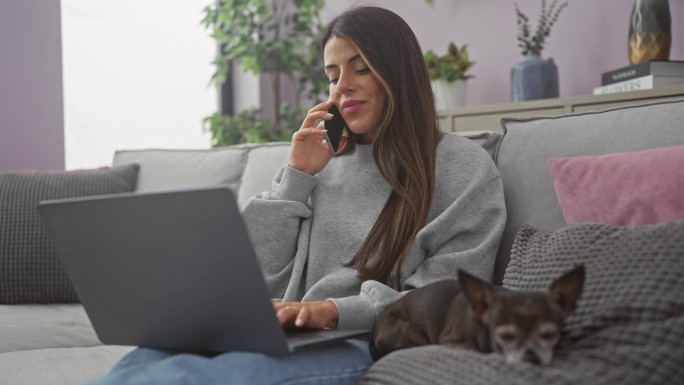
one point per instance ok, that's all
(623, 189)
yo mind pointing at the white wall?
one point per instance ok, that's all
(246, 89)
(136, 75)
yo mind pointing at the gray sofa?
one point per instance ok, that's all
(55, 344)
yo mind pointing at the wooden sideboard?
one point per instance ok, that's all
(487, 117)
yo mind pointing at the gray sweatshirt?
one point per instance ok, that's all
(308, 227)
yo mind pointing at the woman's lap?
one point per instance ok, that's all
(342, 363)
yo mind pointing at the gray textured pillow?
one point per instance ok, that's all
(634, 275)
(30, 271)
(628, 327)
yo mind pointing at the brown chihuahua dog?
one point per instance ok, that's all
(472, 314)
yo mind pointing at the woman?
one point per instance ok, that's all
(340, 236)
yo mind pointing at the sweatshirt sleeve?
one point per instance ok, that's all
(273, 221)
(465, 236)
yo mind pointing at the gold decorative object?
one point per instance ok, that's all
(650, 35)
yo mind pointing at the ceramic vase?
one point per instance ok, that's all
(650, 35)
(449, 95)
(534, 78)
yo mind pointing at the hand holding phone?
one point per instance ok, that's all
(335, 128)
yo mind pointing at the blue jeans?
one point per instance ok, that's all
(342, 363)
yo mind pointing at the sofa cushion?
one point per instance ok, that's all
(162, 169)
(30, 271)
(263, 163)
(59, 366)
(529, 143)
(489, 140)
(623, 189)
(45, 326)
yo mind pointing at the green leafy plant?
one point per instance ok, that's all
(534, 43)
(452, 66)
(246, 126)
(277, 37)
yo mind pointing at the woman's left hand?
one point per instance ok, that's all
(312, 315)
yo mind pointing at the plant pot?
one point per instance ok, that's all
(449, 95)
(534, 78)
(650, 31)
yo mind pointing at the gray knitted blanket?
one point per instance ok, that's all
(628, 327)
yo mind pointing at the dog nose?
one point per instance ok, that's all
(531, 356)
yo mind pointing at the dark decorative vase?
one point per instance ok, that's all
(650, 35)
(534, 78)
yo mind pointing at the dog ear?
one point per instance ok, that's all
(478, 292)
(566, 289)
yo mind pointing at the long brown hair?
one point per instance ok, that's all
(407, 136)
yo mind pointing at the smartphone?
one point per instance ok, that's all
(335, 128)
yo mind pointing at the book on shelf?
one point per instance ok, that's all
(654, 67)
(642, 83)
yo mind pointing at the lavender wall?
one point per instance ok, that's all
(589, 38)
(31, 117)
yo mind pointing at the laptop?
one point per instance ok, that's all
(171, 270)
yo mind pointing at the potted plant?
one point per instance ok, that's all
(448, 74)
(535, 78)
(274, 37)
